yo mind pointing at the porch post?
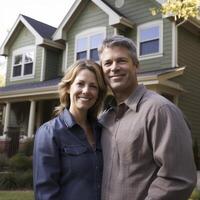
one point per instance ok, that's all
(7, 116)
(31, 121)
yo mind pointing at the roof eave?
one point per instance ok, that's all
(114, 18)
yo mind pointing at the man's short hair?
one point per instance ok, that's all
(120, 41)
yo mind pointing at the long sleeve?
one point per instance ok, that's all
(46, 165)
(172, 151)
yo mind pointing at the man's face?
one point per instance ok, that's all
(119, 70)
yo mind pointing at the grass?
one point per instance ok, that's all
(16, 195)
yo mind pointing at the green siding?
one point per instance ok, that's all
(23, 39)
(53, 64)
(90, 18)
(188, 54)
(138, 12)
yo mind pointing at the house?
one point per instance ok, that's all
(38, 54)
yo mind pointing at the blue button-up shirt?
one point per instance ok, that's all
(65, 166)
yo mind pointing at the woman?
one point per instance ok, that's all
(67, 159)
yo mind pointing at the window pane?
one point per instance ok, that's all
(28, 68)
(81, 44)
(96, 40)
(149, 47)
(29, 56)
(18, 59)
(81, 55)
(94, 54)
(149, 33)
(17, 70)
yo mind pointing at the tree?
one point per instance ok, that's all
(180, 9)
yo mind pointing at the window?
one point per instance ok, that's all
(87, 44)
(23, 61)
(150, 39)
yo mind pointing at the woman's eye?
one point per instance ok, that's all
(93, 86)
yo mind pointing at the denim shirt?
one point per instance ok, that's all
(65, 166)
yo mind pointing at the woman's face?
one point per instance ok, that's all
(83, 92)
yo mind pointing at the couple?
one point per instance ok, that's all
(146, 144)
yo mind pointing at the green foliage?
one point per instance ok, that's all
(180, 9)
(20, 162)
(195, 195)
(16, 195)
(8, 181)
(27, 147)
(3, 162)
(25, 179)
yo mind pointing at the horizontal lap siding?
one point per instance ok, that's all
(188, 54)
(24, 38)
(91, 17)
(53, 64)
(139, 13)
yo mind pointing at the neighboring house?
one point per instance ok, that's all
(38, 54)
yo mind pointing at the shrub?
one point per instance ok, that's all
(3, 161)
(8, 181)
(27, 147)
(25, 180)
(20, 162)
(195, 195)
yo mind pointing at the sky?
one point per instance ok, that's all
(50, 12)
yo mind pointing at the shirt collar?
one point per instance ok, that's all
(134, 99)
(69, 120)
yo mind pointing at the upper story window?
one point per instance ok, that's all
(87, 43)
(150, 39)
(23, 63)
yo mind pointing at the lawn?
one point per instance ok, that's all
(16, 195)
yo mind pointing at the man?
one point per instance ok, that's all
(147, 147)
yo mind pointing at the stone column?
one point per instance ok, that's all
(31, 121)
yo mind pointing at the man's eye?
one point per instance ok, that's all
(122, 61)
(80, 84)
(107, 64)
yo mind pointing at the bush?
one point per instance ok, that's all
(20, 162)
(27, 147)
(195, 195)
(3, 162)
(8, 181)
(25, 180)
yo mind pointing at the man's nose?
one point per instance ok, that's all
(114, 66)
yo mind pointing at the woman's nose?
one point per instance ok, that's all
(85, 89)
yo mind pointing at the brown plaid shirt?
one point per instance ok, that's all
(148, 152)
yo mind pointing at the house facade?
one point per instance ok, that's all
(38, 54)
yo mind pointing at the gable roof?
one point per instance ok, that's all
(113, 16)
(42, 32)
(45, 30)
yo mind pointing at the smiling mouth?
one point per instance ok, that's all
(116, 76)
(84, 98)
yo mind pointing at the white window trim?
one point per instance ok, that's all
(88, 33)
(22, 51)
(148, 25)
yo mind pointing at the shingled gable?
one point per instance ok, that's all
(115, 18)
(42, 32)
